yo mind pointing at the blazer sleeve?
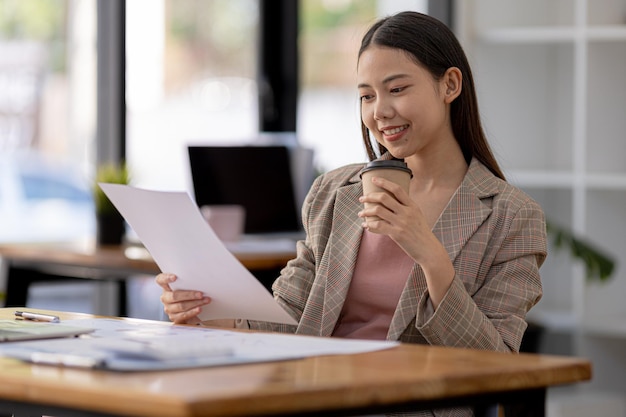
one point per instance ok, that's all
(493, 315)
(291, 290)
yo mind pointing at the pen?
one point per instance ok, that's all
(37, 316)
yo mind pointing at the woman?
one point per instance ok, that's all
(455, 261)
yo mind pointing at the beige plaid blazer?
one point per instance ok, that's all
(495, 236)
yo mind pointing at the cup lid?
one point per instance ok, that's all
(386, 164)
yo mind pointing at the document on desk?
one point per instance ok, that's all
(143, 345)
(171, 227)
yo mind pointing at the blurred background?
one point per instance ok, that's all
(190, 72)
(190, 77)
(83, 82)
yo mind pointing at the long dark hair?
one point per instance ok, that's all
(433, 45)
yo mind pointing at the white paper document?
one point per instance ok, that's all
(140, 345)
(171, 227)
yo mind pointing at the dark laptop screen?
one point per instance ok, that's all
(256, 177)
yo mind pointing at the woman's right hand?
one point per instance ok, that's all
(181, 306)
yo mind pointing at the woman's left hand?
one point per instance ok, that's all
(394, 214)
(401, 218)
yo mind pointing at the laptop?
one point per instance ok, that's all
(17, 330)
(259, 178)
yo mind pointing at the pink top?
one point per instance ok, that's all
(381, 271)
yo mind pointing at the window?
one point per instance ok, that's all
(191, 68)
(191, 79)
(47, 113)
(328, 112)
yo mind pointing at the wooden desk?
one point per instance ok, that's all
(25, 263)
(407, 377)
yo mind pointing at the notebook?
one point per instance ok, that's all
(17, 330)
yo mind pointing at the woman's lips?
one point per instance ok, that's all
(394, 133)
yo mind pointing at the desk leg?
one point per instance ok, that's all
(534, 405)
(17, 283)
(486, 411)
(122, 298)
(4, 280)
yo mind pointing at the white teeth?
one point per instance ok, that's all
(394, 131)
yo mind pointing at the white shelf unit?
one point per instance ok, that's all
(550, 77)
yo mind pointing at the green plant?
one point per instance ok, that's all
(108, 173)
(599, 265)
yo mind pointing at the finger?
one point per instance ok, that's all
(194, 320)
(182, 296)
(185, 317)
(380, 204)
(395, 189)
(163, 280)
(185, 309)
(381, 198)
(373, 212)
(374, 222)
(228, 323)
(385, 216)
(187, 295)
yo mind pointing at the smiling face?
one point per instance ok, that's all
(402, 105)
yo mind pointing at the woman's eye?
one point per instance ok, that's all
(366, 97)
(397, 89)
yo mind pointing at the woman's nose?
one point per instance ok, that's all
(383, 110)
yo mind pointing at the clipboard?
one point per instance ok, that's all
(20, 330)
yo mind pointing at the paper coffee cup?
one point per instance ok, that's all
(393, 170)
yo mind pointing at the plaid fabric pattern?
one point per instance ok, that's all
(494, 233)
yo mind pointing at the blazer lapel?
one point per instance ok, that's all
(343, 248)
(463, 215)
(458, 222)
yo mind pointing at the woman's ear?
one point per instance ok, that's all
(452, 82)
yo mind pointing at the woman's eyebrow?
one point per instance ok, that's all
(387, 80)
